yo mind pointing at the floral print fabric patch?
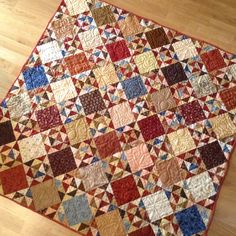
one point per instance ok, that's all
(118, 126)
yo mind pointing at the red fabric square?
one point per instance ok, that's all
(13, 179)
(151, 127)
(228, 97)
(48, 118)
(213, 60)
(118, 50)
(107, 144)
(77, 63)
(192, 112)
(125, 190)
(145, 231)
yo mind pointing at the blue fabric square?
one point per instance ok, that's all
(77, 210)
(35, 77)
(190, 221)
(134, 87)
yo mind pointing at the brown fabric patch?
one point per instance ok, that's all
(103, 15)
(170, 172)
(228, 97)
(45, 195)
(6, 133)
(157, 38)
(163, 100)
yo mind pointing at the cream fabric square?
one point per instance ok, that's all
(63, 90)
(49, 52)
(138, 157)
(106, 75)
(157, 205)
(77, 131)
(19, 105)
(185, 49)
(121, 115)
(201, 186)
(146, 62)
(223, 126)
(76, 7)
(90, 39)
(181, 141)
(32, 147)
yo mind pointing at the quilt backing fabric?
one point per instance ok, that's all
(118, 126)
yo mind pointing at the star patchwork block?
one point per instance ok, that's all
(35, 77)
(157, 205)
(185, 49)
(181, 141)
(146, 62)
(49, 52)
(139, 157)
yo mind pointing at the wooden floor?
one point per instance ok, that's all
(21, 24)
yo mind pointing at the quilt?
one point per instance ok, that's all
(119, 126)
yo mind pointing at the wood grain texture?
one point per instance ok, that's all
(22, 23)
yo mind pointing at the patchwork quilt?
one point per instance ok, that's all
(119, 126)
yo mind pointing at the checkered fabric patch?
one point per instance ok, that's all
(118, 126)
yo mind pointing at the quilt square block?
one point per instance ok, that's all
(7, 133)
(106, 75)
(76, 7)
(174, 73)
(146, 62)
(92, 102)
(90, 39)
(157, 38)
(62, 161)
(49, 52)
(151, 127)
(147, 230)
(130, 26)
(77, 210)
(181, 141)
(48, 118)
(13, 179)
(118, 50)
(228, 96)
(185, 49)
(19, 105)
(45, 194)
(107, 144)
(138, 157)
(223, 126)
(110, 224)
(212, 155)
(157, 205)
(121, 115)
(201, 186)
(77, 63)
(63, 90)
(192, 112)
(103, 15)
(190, 221)
(35, 77)
(163, 100)
(213, 60)
(134, 87)
(125, 190)
(32, 147)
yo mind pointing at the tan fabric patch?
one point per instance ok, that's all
(110, 224)
(106, 75)
(77, 131)
(223, 126)
(163, 100)
(181, 141)
(130, 26)
(76, 7)
(170, 172)
(45, 195)
(121, 115)
(146, 62)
